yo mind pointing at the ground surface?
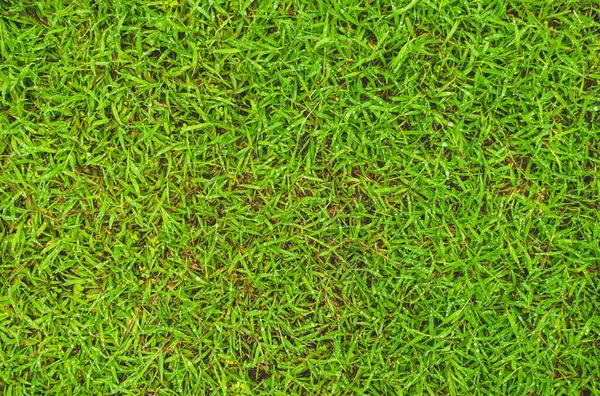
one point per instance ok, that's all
(299, 197)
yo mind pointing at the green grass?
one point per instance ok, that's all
(300, 197)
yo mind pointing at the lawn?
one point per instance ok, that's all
(300, 197)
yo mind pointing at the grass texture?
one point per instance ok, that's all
(299, 197)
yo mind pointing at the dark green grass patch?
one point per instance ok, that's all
(294, 197)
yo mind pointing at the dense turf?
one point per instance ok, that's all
(299, 197)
